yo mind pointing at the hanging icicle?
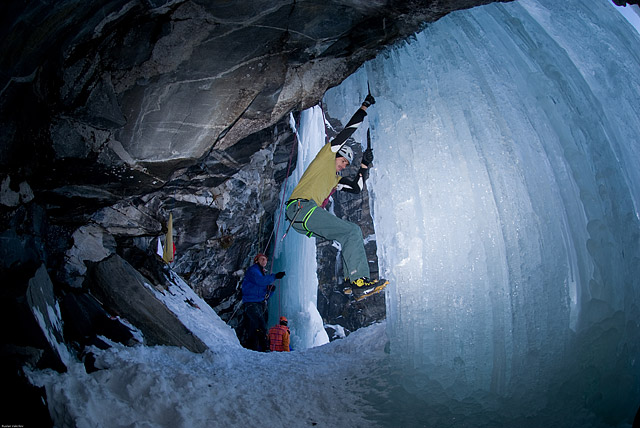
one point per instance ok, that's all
(160, 250)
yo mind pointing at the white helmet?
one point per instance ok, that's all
(346, 152)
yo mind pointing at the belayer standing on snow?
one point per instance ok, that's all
(279, 336)
(257, 287)
(305, 207)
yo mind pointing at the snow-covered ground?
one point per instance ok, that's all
(227, 386)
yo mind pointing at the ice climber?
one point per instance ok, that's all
(257, 287)
(305, 210)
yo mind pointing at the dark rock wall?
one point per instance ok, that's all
(216, 238)
(334, 306)
(138, 88)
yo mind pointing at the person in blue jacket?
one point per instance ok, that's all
(257, 287)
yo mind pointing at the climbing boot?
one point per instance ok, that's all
(364, 286)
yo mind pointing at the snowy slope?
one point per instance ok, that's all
(227, 386)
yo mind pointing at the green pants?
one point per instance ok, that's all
(313, 220)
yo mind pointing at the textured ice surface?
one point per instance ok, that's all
(506, 189)
(296, 293)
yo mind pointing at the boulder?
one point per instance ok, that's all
(124, 291)
(46, 312)
(91, 243)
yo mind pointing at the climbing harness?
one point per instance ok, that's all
(304, 220)
(292, 220)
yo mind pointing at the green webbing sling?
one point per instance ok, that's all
(306, 218)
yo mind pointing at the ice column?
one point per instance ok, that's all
(297, 293)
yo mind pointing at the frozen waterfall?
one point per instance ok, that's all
(297, 293)
(506, 189)
(506, 197)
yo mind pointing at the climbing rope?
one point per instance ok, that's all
(281, 210)
(282, 201)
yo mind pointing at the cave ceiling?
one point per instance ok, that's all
(108, 98)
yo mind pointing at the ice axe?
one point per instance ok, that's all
(367, 155)
(369, 129)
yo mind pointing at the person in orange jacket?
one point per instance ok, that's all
(279, 336)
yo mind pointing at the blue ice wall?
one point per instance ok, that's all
(506, 190)
(296, 294)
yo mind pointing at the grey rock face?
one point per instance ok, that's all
(159, 82)
(13, 198)
(223, 212)
(46, 312)
(91, 243)
(32, 338)
(122, 290)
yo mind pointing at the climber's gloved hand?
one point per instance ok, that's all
(367, 157)
(279, 275)
(369, 100)
(271, 288)
(364, 172)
